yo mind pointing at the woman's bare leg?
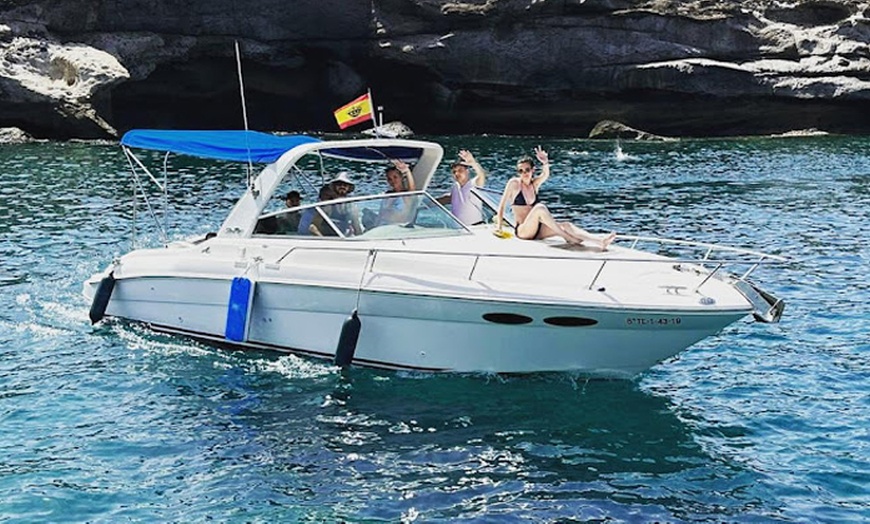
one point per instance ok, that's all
(607, 240)
(601, 240)
(540, 216)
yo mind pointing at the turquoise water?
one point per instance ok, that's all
(760, 423)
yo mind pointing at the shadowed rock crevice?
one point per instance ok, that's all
(811, 14)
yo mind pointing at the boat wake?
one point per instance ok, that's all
(295, 367)
(137, 337)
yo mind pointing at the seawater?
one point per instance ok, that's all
(761, 423)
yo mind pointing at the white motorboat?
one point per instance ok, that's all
(424, 293)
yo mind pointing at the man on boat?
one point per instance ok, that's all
(345, 215)
(462, 201)
(288, 223)
(311, 222)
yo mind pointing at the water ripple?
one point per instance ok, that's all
(759, 423)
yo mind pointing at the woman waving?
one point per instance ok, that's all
(534, 220)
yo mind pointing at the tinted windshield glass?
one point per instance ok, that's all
(389, 216)
(490, 199)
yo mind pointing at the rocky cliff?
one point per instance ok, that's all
(92, 68)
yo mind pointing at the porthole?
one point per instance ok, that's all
(506, 318)
(570, 321)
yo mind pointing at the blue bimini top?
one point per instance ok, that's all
(238, 146)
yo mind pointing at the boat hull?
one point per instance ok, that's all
(421, 332)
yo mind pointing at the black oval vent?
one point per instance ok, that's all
(570, 321)
(507, 318)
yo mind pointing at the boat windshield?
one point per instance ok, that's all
(391, 216)
(489, 200)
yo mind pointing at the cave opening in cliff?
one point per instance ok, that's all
(204, 94)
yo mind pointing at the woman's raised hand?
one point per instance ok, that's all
(466, 156)
(542, 155)
(401, 166)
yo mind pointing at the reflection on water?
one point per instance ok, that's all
(372, 445)
(765, 423)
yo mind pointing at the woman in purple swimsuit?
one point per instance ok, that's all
(534, 221)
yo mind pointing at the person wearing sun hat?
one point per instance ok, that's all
(345, 215)
(463, 203)
(341, 184)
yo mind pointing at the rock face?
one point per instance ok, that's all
(79, 68)
(13, 135)
(52, 89)
(611, 129)
(390, 130)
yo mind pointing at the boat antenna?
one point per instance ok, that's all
(244, 112)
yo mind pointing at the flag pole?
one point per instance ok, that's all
(374, 120)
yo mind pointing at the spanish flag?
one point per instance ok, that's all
(355, 112)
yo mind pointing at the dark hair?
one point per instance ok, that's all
(459, 163)
(325, 191)
(292, 194)
(392, 168)
(526, 160)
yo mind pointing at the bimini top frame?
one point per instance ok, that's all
(280, 153)
(424, 156)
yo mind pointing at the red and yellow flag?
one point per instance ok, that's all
(355, 112)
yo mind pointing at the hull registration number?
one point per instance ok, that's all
(653, 321)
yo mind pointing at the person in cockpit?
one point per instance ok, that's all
(288, 223)
(345, 215)
(463, 203)
(396, 210)
(311, 222)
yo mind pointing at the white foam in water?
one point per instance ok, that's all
(292, 366)
(40, 331)
(411, 515)
(136, 341)
(64, 312)
(416, 375)
(35, 323)
(620, 155)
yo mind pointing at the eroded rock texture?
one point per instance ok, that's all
(677, 68)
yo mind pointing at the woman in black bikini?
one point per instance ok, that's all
(534, 221)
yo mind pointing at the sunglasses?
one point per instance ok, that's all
(524, 170)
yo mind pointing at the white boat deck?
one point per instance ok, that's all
(509, 270)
